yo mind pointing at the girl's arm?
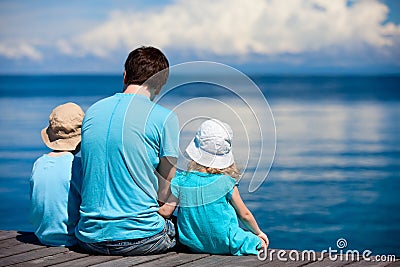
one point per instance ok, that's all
(168, 208)
(246, 217)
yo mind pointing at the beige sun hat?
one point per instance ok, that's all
(64, 130)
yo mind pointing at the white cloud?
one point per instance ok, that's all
(20, 50)
(233, 28)
(240, 27)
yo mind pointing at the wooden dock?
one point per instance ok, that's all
(24, 249)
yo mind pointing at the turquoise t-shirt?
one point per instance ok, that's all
(123, 138)
(55, 186)
(207, 222)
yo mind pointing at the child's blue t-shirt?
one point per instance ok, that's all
(55, 186)
(207, 222)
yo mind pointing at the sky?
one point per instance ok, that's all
(258, 36)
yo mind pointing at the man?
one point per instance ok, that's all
(129, 151)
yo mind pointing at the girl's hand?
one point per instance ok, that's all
(264, 238)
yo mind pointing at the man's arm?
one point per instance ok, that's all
(165, 172)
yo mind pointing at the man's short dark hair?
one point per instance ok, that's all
(144, 62)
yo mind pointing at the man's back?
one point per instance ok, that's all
(123, 138)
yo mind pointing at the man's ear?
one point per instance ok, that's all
(124, 76)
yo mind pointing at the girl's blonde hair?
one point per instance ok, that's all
(231, 171)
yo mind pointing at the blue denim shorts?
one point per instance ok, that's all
(158, 243)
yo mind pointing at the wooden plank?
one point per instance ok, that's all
(54, 259)
(329, 262)
(24, 249)
(7, 234)
(394, 264)
(87, 261)
(18, 249)
(277, 263)
(371, 263)
(341, 261)
(177, 259)
(27, 237)
(133, 260)
(31, 255)
(244, 261)
(19, 240)
(290, 258)
(6, 243)
(223, 260)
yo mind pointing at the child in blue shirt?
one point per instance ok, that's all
(209, 200)
(55, 182)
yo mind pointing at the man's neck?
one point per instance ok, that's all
(137, 89)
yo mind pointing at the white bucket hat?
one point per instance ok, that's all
(212, 145)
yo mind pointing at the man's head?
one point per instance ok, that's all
(142, 64)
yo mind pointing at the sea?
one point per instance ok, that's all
(320, 154)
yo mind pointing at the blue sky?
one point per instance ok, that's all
(258, 36)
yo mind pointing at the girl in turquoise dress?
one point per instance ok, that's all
(209, 200)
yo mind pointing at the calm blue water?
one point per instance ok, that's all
(336, 172)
